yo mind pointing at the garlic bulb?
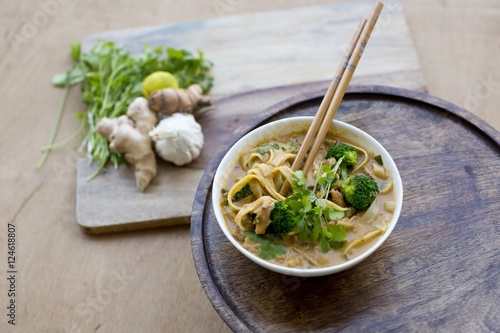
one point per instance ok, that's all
(178, 138)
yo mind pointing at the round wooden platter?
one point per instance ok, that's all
(438, 270)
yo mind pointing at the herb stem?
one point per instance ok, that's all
(203, 109)
(68, 139)
(56, 126)
(108, 87)
(317, 178)
(101, 165)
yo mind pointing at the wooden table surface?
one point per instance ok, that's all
(68, 281)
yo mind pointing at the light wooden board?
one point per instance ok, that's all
(298, 48)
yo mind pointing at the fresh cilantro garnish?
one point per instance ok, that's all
(299, 182)
(268, 248)
(312, 214)
(271, 250)
(332, 237)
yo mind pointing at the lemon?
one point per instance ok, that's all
(158, 80)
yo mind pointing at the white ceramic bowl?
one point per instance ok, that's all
(285, 127)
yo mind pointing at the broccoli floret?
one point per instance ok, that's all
(281, 220)
(360, 191)
(244, 192)
(349, 153)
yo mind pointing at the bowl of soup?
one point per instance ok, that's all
(325, 220)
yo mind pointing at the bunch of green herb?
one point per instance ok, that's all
(111, 78)
(312, 214)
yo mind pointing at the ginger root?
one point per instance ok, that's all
(139, 112)
(170, 100)
(132, 139)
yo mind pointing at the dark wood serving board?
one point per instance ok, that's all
(439, 269)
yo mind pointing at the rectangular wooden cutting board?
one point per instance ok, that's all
(269, 57)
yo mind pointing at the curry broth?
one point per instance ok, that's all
(304, 254)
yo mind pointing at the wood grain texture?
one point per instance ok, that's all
(439, 269)
(250, 52)
(284, 47)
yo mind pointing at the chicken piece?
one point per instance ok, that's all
(262, 208)
(368, 172)
(263, 218)
(331, 161)
(338, 198)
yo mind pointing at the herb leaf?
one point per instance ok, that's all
(271, 250)
(253, 236)
(333, 214)
(244, 192)
(336, 245)
(338, 232)
(324, 246)
(299, 182)
(75, 49)
(268, 248)
(73, 76)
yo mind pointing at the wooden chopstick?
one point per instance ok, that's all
(344, 82)
(320, 114)
(334, 96)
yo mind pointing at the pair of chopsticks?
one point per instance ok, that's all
(334, 95)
